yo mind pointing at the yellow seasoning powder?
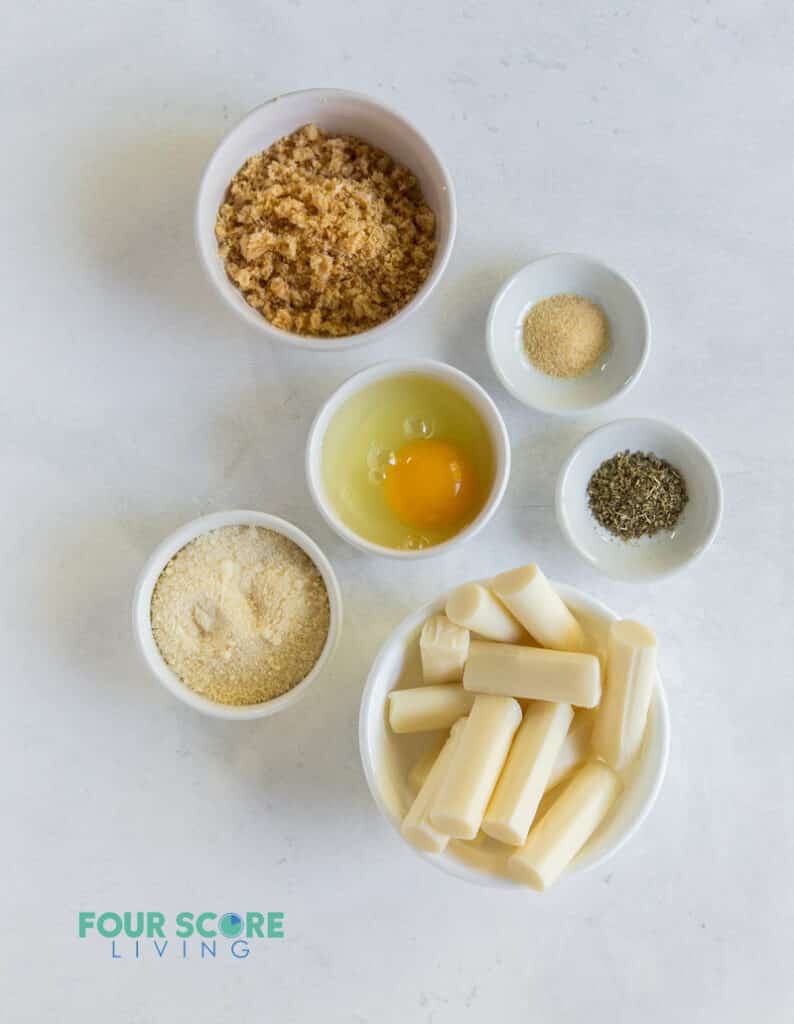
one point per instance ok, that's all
(566, 335)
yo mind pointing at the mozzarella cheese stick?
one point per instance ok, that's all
(567, 825)
(630, 676)
(575, 749)
(416, 827)
(420, 769)
(443, 647)
(428, 707)
(482, 854)
(476, 764)
(527, 770)
(476, 608)
(533, 673)
(539, 608)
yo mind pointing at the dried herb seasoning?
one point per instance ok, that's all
(636, 494)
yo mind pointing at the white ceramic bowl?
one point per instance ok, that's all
(650, 557)
(387, 758)
(469, 388)
(630, 333)
(143, 599)
(334, 110)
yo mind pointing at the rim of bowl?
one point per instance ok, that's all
(497, 431)
(162, 555)
(256, 320)
(580, 410)
(467, 873)
(562, 514)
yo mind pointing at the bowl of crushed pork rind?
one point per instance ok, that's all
(324, 219)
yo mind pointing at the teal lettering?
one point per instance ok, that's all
(109, 925)
(154, 925)
(184, 924)
(207, 934)
(253, 925)
(85, 921)
(275, 924)
(133, 931)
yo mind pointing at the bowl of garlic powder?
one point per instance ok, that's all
(567, 334)
(237, 614)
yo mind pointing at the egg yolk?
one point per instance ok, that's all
(432, 484)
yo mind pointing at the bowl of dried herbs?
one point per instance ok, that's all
(639, 499)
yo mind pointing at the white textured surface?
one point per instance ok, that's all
(658, 137)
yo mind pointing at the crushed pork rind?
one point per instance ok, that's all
(325, 235)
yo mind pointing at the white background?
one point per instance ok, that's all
(658, 137)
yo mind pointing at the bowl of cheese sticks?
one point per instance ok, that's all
(515, 731)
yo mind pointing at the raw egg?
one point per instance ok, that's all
(430, 484)
(407, 462)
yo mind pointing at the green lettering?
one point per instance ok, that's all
(109, 925)
(184, 924)
(253, 924)
(275, 924)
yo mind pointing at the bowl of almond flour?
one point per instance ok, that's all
(237, 614)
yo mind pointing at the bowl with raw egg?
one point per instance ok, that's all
(408, 458)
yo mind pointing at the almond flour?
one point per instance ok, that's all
(240, 614)
(325, 235)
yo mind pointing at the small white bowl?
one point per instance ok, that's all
(142, 623)
(451, 376)
(386, 762)
(337, 111)
(630, 333)
(650, 557)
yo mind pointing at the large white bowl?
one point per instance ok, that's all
(648, 558)
(142, 622)
(630, 333)
(469, 388)
(387, 758)
(337, 111)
